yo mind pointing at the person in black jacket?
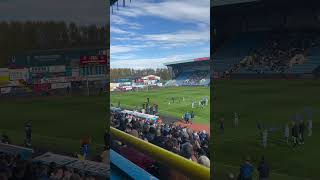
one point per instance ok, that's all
(295, 133)
(107, 139)
(301, 132)
(263, 169)
(28, 132)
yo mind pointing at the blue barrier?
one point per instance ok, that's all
(119, 163)
(25, 153)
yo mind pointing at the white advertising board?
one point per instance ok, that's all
(60, 85)
(60, 68)
(5, 90)
(17, 74)
(54, 80)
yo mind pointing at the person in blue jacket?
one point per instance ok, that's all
(246, 170)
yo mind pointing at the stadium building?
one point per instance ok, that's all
(135, 83)
(191, 72)
(60, 68)
(273, 39)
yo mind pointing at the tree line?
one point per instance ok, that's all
(116, 73)
(20, 36)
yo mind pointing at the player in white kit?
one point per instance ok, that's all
(264, 138)
(236, 119)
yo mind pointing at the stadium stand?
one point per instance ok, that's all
(177, 139)
(22, 163)
(193, 72)
(255, 53)
(256, 37)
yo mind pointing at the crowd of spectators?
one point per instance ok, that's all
(175, 138)
(15, 167)
(279, 52)
(196, 78)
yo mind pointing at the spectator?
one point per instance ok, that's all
(5, 138)
(204, 161)
(105, 155)
(28, 132)
(263, 169)
(246, 170)
(180, 140)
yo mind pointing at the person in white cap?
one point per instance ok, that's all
(204, 160)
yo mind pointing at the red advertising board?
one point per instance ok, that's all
(99, 59)
(202, 59)
(41, 87)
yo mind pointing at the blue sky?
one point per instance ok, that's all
(148, 33)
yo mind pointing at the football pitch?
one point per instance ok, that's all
(272, 102)
(58, 123)
(163, 97)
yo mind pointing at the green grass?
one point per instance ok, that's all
(273, 102)
(58, 123)
(162, 97)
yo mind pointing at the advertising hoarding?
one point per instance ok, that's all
(60, 85)
(60, 68)
(99, 59)
(5, 90)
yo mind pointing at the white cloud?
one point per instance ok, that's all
(114, 49)
(168, 40)
(179, 10)
(118, 20)
(116, 30)
(190, 11)
(181, 37)
(120, 49)
(124, 56)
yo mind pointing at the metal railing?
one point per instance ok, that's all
(174, 161)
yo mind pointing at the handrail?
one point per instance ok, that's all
(185, 166)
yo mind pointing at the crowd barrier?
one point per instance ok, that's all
(174, 161)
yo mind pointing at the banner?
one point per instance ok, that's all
(202, 59)
(40, 69)
(100, 59)
(141, 115)
(60, 160)
(4, 75)
(4, 71)
(95, 77)
(60, 85)
(92, 167)
(74, 78)
(5, 90)
(54, 80)
(4, 78)
(41, 87)
(18, 74)
(61, 68)
(75, 72)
